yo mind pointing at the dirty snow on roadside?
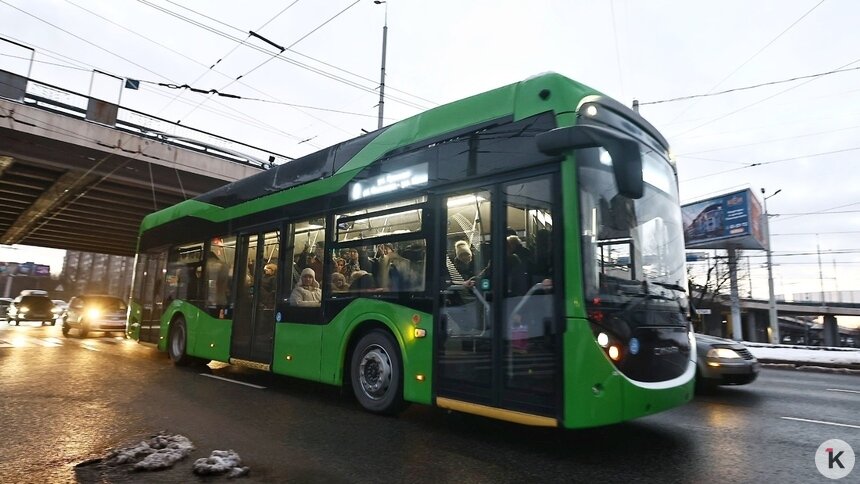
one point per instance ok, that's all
(159, 452)
(220, 462)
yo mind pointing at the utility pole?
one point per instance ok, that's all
(773, 317)
(820, 272)
(737, 325)
(382, 70)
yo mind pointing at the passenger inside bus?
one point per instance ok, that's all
(307, 293)
(362, 281)
(338, 283)
(268, 285)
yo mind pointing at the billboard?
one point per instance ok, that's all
(24, 269)
(733, 220)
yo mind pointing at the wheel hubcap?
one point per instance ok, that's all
(375, 372)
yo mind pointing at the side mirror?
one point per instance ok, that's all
(624, 151)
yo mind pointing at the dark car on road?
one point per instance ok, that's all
(95, 313)
(32, 308)
(4, 306)
(723, 362)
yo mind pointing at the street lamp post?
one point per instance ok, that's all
(773, 319)
(382, 70)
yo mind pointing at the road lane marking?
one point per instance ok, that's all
(821, 422)
(233, 381)
(841, 390)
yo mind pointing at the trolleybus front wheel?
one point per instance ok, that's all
(376, 373)
(176, 342)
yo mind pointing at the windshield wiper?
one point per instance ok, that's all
(638, 302)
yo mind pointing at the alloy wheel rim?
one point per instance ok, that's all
(375, 372)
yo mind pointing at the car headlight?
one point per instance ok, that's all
(23, 309)
(93, 313)
(723, 353)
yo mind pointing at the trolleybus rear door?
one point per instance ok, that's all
(256, 289)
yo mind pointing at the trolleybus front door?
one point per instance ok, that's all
(256, 288)
(498, 333)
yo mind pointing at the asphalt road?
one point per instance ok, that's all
(64, 401)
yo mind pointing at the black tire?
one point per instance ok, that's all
(17, 322)
(83, 330)
(704, 386)
(376, 373)
(177, 341)
(66, 330)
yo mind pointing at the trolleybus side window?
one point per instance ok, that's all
(388, 261)
(305, 251)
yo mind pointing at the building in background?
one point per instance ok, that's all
(83, 273)
(89, 273)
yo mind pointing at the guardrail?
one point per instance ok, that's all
(69, 103)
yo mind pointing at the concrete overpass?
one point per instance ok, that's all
(794, 324)
(80, 173)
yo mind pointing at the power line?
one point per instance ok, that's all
(763, 142)
(755, 86)
(296, 63)
(301, 54)
(816, 233)
(753, 56)
(825, 210)
(802, 214)
(756, 103)
(763, 163)
(86, 41)
(247, 118)
(274, 56)
(243, 98)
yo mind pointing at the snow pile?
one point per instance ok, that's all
(220, 462)
(159, 452)
(803, 354)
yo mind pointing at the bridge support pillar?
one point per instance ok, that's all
(750, 328)
(830, 331)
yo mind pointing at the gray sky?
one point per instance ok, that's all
(803, 133)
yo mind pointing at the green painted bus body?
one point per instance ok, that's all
(593, 391)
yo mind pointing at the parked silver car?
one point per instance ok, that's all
(723, 362)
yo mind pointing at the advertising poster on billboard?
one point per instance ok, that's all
(730, 220)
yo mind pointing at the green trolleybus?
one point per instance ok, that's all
(517, 254)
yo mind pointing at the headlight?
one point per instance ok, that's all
(611, 345)
(23, 309)
(722, 353)
(93, 313)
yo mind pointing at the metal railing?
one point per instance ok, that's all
(64, 102)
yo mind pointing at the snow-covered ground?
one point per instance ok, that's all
(811, 355)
